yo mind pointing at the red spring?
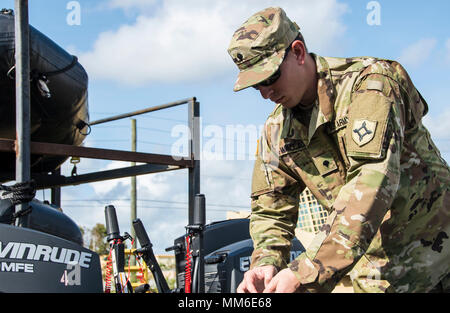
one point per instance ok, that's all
(188, 268)
(129, 265)
(141, 275)
(108, 273)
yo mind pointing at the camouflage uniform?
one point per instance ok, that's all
(365, 155)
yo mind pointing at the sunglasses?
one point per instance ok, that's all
(274, 77)
(269, 81)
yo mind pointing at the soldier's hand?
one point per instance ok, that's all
(285, 281)
(256, 279)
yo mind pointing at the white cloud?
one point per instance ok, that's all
(105, 187)
(438, 125)
(226, 186)
(439, 129)
(187, 40)
(128, 4)
(418, 52)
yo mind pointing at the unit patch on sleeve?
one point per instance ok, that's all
(363, 131)
(368, 119)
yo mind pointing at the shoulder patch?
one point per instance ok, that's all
(368, 119)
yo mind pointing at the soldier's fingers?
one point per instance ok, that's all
(272, 286)
(251, 286)
(242, 288)
(267, 277)
(251, 280)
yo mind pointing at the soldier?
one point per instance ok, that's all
(349, 129)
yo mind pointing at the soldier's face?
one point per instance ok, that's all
(290, 88)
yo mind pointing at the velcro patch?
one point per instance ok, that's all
(368, 119)
(375, 85)
(325, 163)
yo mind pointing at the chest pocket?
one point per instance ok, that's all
(314, 161)
(322, 158)
(317, 166)
(297, 157)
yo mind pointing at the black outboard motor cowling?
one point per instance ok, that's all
(47, 256)
(45, 218)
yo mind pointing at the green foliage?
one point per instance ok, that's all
(98, 242)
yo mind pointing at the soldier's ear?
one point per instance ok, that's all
(299, 50)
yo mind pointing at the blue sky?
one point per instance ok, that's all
(140, 53)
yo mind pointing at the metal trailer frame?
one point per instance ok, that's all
(154, 163)
(23, 147)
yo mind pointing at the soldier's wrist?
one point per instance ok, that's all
(269, 260)
(304, 270)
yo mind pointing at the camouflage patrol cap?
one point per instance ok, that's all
(258, 46)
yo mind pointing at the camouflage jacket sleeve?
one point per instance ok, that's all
(275, 195)
(372, 182)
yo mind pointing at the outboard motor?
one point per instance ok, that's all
(47, 255)
(227, 249)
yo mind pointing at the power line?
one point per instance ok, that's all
(155, 129)
(115, 126)
(160, 201)
(164, 119)
(208, 176)
(110, 140)
(153, 143)
(142, 207)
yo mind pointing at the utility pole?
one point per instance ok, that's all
(133, 189)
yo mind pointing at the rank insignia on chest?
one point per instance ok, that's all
(363, 131)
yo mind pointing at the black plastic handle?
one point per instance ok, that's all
(112, 226)
(149, 257)
(142, 288)
(141, 234)
(199, 210)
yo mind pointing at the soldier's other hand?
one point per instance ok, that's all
(285, 281)
(256, 279)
